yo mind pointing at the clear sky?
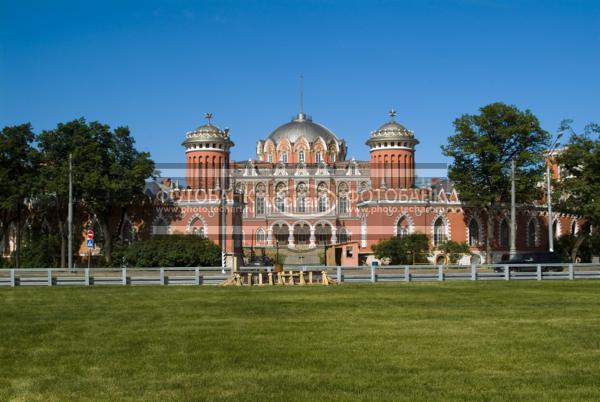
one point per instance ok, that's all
(157, 67)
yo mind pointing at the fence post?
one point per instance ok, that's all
(473, 272)
(373, 278)
(87, 277)
(539, 272)
(13, 279)
(339, 276)
(49, 276)
(124, 275)
(440, 272)
(197, 276)
(407, 273)
(506, 273)
(571, 273)
(162, 276)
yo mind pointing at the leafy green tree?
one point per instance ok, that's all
(579, 184)
(109, 174)
(71, 138)
(173, 251)
(454, 250)
(18, 172)
(409, 249)
(482, 149)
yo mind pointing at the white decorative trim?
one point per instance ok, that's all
(192, 219)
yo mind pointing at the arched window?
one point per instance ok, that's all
(260, 236)
(555, 229)
(281, 234)
(197, 227)
(504, 233)
(343, 204)
(260, 199)
(280, 190)
(322, 197)
(332, 157)
(343, 236)
(323, 203)
(473, 233)
(284, 157)
(301, 234)
(301, 198)
(573, 227)
(439, 232)
(343, 199)
(402, 227)
(280, 203)
(270, 157)
(301, 156)
(318, 157)
(323, 234)
(531, 233)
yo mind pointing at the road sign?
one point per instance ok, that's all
(90, 234)
(90, 243)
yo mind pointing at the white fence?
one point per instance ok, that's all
(214, 275)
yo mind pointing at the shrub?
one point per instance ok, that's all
(409, 249)
(454, 250)
(172, 251)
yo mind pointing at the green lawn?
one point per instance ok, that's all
(418, 341)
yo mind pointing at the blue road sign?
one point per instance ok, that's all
(90, 243)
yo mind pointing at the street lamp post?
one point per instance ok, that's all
(513, 213)
(549, 193)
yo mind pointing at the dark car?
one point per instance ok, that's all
(533, 258)
(259, 261)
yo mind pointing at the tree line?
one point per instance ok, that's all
(481, 150)
(109, 176)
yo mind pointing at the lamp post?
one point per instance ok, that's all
(513, 213)
(70, 216)
(549, 193)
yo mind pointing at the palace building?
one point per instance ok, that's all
(302, 195)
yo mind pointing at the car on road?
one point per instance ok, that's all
(533, 258)
(259, 261)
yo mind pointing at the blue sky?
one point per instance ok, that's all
(158, 66)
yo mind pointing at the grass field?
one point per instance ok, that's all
(419, 341)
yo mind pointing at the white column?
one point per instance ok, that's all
(291, 237)
(269, 237)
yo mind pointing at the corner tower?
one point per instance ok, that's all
(392, 155)
(207, 157)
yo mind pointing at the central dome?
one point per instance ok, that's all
(302, 126)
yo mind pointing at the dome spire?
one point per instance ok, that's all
(392, 113)
(301, 93)
(208, 116)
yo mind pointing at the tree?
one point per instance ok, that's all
(578, 186)
(482, 148)
(71, 138)
(409, 249)
(453, 250)
(18, 170)
(109, 174)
